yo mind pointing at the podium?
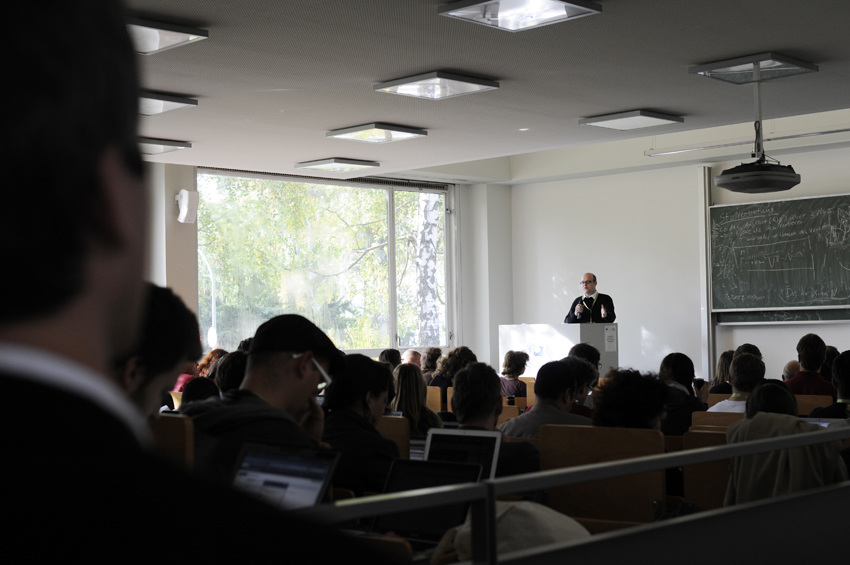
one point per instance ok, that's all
(544, 343)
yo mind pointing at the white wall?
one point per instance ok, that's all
(823, 173)
(638, 232)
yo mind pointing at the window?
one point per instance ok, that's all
(269, 246)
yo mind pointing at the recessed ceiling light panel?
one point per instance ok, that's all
(153, 146)
(519, 15)
(377, 132)
(436, 85)
(337, 165)
(152, 37)
(742, 70)
(152, 103)
(635, 119)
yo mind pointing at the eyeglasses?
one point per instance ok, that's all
(587, 282)
(325, 376)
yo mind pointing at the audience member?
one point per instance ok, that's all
(477, 402)
(721, 383)
(583, 404)
(841, 379)
(457, 359)
(772, 412)
(199, 389)
(429, 364)
(412, 356)
(811, 352)
(288, 360)
(791, 368)
(629, 399)
(747, 348)
(747, 372)
(230, 371)
(206, 365)
(554, 387)
(391, 356)
(355, 403)
(828, 360)
(169, 340)
(411, 396)
(587, 352)
(512, 367)
(81, 482)
(677, 371)
(245, 345)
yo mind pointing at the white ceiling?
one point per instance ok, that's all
(275, 75)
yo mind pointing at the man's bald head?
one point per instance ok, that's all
(791, 369)
(412, 356)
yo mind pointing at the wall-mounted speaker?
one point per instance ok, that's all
(187, 202)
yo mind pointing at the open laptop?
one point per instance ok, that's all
(425, 527)
(465, 446)
(285, 477)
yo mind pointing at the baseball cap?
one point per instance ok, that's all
(297, 334)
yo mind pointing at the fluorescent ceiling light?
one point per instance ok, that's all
(742, 70)
(151, 103)
(377, 132)
(436, 85)
(152, 37)
(635, 119)
(153, 146)
(518, 15)
(337, 165)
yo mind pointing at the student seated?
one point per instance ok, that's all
(747, 372)
(410, 400)
(677, 371)
(354, 403)
(772, 412)
(447, 368)
(629, 399)
(841, 379)
(512, 367)
(556, 381)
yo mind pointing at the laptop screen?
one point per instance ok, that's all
(427, 524)
(285, 477)
(465, 446)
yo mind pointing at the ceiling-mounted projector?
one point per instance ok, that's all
(760, 175)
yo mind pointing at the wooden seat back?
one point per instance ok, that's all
(432, 398)
(625, 499)
(519, 402)
(673, 443)
(397, 429)
(705, 484)
(808, 402)
(530, 398)
(715, 418)
(174, 438)
(715, 398)
(508, 412)
(449, 393)
(177, 398)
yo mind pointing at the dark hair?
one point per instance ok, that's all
(514, 363)
(629, 399)
(829, 359)
(205, 366)
(747, 348)
(391, 356)
(841, 374)
(747, 372)
(76, 95)
(772, 396)
(679, 368)
(477, 392)
(556, 377)
(432, 355)
(587, 352)
(199, 388)
(723, 364)
(812, 351)
(245, 344)
(361, 375)
(170, 334)
(230, 371)
(457, 359)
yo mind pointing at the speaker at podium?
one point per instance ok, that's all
(545, 342)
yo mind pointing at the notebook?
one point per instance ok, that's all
(425, 527)
(285, 477)
(465, 446)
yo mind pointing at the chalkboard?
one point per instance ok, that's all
(782, 255)
(783, 316)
